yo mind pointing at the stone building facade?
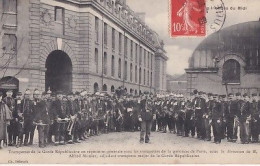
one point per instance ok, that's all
(70, 45)
(227, 61)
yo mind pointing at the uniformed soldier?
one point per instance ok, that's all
(62, 115)
(146, 116)
(216, 116)
(199, 104)
(255, 110)
(72, 128)
(42, 117)
(224, 110)
(230, 117)
(189, 123)
(20, 120)
(28, 114)
(206, 116)
(10, 102)
(244, 120)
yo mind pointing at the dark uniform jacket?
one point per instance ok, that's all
(146, 110)
(60, 109)
(27, 109)
(245, 111)
(216, 112)
(255, 109)
(232, 109)
(41, 112)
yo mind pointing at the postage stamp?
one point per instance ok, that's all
(188, 18)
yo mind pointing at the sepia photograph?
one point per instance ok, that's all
(129, 81)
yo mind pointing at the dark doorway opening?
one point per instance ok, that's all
(9, 83)
(58, 76)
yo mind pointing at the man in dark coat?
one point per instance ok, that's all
(28, 114)
(42, 117)
(216, 116)
(230, 117)
(20, 120)
(60, 107)
(255, 110)
(244, 120)
(10, 102)
(146, 116)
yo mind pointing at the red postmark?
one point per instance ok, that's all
(188, 18)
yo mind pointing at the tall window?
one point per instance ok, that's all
(59, 18)
(148, 61)
(151, 78)
(144, 77)
(96, 59)
(231, 71)
(105, 34)
(144, 58)
(113, 39)
(96, 27)
(9, 17)
(125, 75)
(148, 79)
(140, 55)
(105, 64)
(119, 68)
(120, 43)
(131, 52)
(135, 74)
(125, 48)
(113, 66)
(59, 14)
(136, 53)
(131, 72)
(9, 46)
(140, 75)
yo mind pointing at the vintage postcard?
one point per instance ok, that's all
(129, 81)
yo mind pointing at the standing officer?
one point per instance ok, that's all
(10, 102)
(60, 107)
(146, 116)
(206, 116)
(254, 107)
(199, 104)
(245, 120)
(28, 114)
(42, 117)
(230, 117)
(20, 121)
(216, 116)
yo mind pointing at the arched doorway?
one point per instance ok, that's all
(231, 72)
(58, 76)
(9, 83)
(96, 88)
(104, 88)
(112, 89)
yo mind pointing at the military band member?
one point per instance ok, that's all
(216, 116)
(10, 102)
(62, 114)
(28, 114)
(230, 117)
(206, 117)
(146, 116)
(42, 117)
(189, 123)
(20, 120)
(255, 110)
(199, 104)
(5, 118)
(244, 120)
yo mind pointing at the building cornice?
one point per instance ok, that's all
(106, 13)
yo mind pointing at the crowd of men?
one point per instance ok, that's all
(71, 118)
